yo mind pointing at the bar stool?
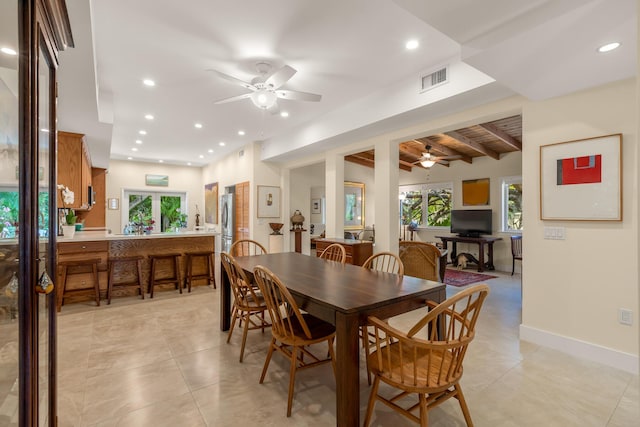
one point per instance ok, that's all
(76, 267)
(123, 262)
(209, 274)
(174, 267)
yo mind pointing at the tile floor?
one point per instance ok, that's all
(164, 362)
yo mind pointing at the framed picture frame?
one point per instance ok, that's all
(268, 201)
(211, 203)
(353, 205)
(316, 206)
(581, 180)
(157, 180)
(114, 203)
(475, 192)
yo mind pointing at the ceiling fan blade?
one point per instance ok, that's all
(298, 96)
(280, 77)
(235, 80)
(233, 98)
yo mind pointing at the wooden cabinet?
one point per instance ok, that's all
(357, 250)
(74, 168)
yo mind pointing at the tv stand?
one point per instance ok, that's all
(480, 241)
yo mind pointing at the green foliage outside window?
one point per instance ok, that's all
(9, 210)
(171, 213)
(514, 209)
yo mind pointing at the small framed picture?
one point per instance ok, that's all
(114, 204)
(316, 206)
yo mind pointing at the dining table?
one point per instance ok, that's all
(344, 295)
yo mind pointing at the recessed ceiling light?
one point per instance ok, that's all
(188, 163)
(134, 149)
(284, 114)
(210, 150)
(142, 132)
(241, 132)
(160, 161)
(138, 141)
(149, 117)
(198, 125)
(129, 158)
(608, 47)
(201, 156)
(149, 82)
(412, 44)
(221, 144)
(8, 51)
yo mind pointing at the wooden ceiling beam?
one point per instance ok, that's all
(365, 161)
(502, 135)
(473, 144)
(444, 149)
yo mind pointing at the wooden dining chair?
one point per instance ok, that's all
(246, 247)
(292, 331)
(516, 250)
(430, 367)
(248, 304)
(421, 260)
(387, 262)
(335, 252)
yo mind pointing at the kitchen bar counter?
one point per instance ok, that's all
(98, 244)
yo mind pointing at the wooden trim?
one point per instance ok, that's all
(473, 144)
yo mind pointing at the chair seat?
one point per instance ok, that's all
(428, 373)
(320, 330)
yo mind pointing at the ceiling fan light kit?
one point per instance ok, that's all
(427, 163)
(265, 87)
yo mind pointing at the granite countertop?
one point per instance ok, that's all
(85, 236)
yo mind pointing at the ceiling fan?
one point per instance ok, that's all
(427, 160)
(265, 88)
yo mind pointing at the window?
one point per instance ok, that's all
(512, 204)
(9, 200)
(155, 211)
(426, 205)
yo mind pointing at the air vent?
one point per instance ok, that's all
(434, 79)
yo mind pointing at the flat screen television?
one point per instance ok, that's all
(471, 222)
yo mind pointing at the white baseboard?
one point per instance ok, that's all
(607, 356)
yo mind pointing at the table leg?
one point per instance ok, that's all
(347, 371)
(225, 301)
(454, 252)
(481, 257)
(490, 263)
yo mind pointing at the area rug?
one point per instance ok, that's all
(463, 278)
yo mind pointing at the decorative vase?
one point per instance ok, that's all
(68, 231)
(275, 227)
(297, 219)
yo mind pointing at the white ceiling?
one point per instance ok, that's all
(352, 52)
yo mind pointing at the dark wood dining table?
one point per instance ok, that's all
(343, 295)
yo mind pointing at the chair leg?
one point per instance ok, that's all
(244, 334)
(139, 269)
(110, 283)
(292, 378)
(424, 411)
(268, 359)
(212, 269)
(96, 283)
(177, 272)
(513, 266)
(234, 318)
(60, 291)
(372, 401)
(364, 333)
(463, 405)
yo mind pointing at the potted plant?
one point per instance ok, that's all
(69, 228)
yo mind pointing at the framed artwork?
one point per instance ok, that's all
(114, 203)
(157, 180)
(353, 205)
(475, 192)
(268, 201)
(211, 203)
(316, 206)
(581, 180)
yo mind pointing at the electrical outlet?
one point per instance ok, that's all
(625, 316)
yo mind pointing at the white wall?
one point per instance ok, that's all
(510, 164)
(574, 287)
(125, 174)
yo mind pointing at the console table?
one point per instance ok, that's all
(480, 241)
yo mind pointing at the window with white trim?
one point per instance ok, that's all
(155, 211)
(512, 204)
(427, 205)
